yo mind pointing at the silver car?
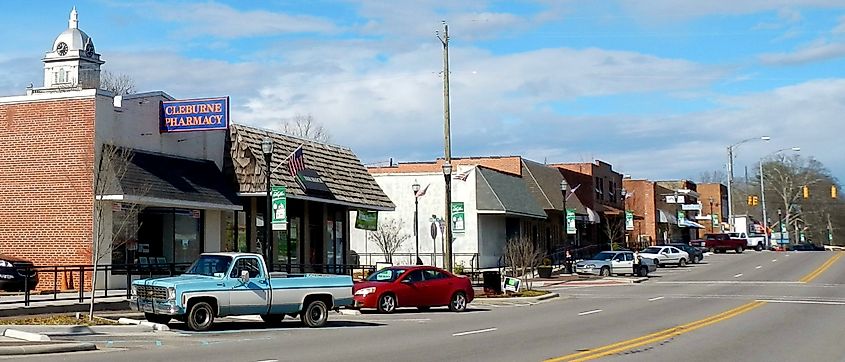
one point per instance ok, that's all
(615, 262)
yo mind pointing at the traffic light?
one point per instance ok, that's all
(755, 200)
(749, 200)
(806, 192)
(833, 191)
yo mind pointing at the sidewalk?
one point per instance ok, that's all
(20, 345)
(13, 305)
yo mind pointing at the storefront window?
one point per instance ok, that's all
(169, 235)
(125, 232)
(187, 230)
(234, 234)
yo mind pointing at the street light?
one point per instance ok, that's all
(416, 188)
(267, 149)
(712, 222)
(763, 192)
(564, 187)
(624, 194)
(731, 173)
(447, 234)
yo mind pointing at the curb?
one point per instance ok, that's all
(57, 309)
(53, 347)
(153, 326)
(26, 336)
(516, 299)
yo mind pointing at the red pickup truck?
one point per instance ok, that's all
(720, 243)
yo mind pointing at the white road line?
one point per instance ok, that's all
(474, 332)
(268, 360)
(655, 298)
(729, 282)
(590, 312)
(774, 260)
(738, 275)
(758, 267)
(800, 302)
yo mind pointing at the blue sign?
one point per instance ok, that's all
(195, 115)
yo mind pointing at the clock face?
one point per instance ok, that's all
(89, 50)
(61, 48)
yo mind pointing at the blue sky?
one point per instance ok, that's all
(657, 88)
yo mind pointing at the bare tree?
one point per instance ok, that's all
(715, 176)
(304, 126)
(785, 180)
(522, 255)
(117, 84)
(389, 237)
(614, 228)
(111, 168)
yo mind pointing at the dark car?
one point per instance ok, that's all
(16, 274)
(807, 247)
(696, 255)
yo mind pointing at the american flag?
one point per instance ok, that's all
(296, 161)
(463, 175)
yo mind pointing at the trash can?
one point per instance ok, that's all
(492, 282)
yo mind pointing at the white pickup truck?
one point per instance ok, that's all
(754, 241)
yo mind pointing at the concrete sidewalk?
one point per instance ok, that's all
(13, 305)
(37, 344)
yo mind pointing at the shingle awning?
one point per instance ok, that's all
(170, 181)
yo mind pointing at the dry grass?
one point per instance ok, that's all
(56, 320)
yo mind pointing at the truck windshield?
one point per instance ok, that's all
(210, 265)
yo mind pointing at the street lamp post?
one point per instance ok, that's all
(267, 149)
(567, 261)
(712, 224)
(624, 194)
(416, 188)
(763, 192)
(780, 225)
(447, 231)
(731, 173)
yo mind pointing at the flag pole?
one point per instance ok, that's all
(286, 158)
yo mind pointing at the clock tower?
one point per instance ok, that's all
(72, 63)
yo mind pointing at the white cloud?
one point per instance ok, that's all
(817, 51)
(675, 10)
(226, 22)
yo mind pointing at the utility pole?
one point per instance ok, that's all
(829, 231)
(447, 235)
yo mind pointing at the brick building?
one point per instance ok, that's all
(600, 188)
(714, 201)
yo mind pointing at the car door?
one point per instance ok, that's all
(252, 297)
(409, 289)
(439, 287)
(666, 256)
(618, 264)
(676, 254)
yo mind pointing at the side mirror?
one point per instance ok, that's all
(244, 276)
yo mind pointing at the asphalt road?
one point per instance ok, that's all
(756, 306)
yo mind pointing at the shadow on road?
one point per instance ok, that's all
(246, 326)
(407, 311)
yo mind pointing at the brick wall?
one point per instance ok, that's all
(46, 177)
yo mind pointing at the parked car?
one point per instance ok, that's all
(422, 287)
(665, 255)
(807, 247)
(695, 254)
(16, 274)
(752, 241)
(223, 284)
(615, 262)
(720, 242)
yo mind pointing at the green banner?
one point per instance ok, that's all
(681, 217)
(367, 220)
(629, 220)
(570, 221)
(458, 221)
(280, 209)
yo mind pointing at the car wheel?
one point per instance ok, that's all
(157, 318)
(273, 318)
(387, 303)
(315, 314)
(682, 263)
(739, 250)
(604, 272)
(657, 262)
(424, 309)
(458, 303)
(758, 248)
(643, 271)
(201, 316)
(713, 250)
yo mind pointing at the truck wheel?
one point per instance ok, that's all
(682, 263)
(201, 316)
(739, 250)
(315, 314)
(713, 250)
(458, 302)
(604, 272)
(157, 318)
(387, 303)
(273, 318)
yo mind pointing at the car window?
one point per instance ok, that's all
(251, 265)
(414, 276)
(618, 257)
(431, 274)
(386, 275)
(651, 250)
(673, 250)
(603, 256)
(628, 257)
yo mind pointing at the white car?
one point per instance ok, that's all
(663, 255)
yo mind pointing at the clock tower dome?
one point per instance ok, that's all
(72, 63)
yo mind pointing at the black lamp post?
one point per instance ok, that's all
(416, 188)
(267, 149)
(712, 224)
(447, 235)
(624, 194)
(564, 187)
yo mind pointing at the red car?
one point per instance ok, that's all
(413, 286)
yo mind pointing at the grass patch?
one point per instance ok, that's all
(57, 320)
(524, 293)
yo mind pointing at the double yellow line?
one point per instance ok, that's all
(656, 337)
(821, 269)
